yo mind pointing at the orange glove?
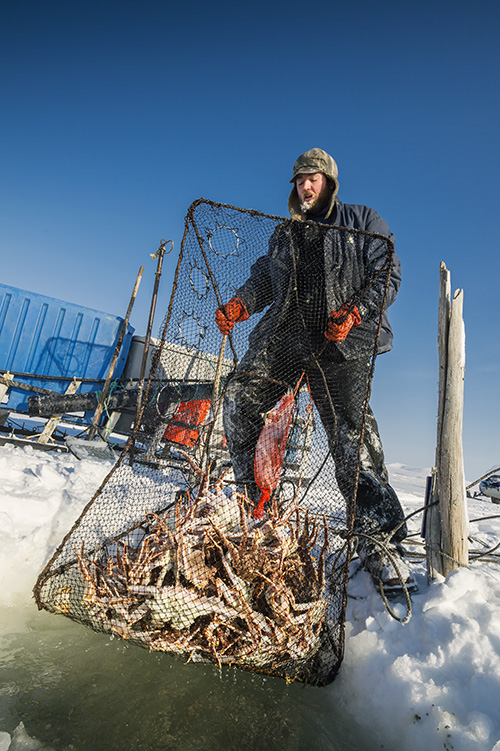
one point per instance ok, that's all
(232, 312)
(337, 332)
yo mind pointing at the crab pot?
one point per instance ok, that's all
(245, 566)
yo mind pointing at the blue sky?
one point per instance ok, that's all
(117, 115)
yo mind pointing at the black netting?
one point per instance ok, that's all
(223, 532)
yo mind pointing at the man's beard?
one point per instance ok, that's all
(318, 204)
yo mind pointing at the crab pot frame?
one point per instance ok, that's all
(170, 553)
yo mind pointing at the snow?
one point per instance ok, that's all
(431, 683)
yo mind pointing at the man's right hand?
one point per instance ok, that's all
(232, 312)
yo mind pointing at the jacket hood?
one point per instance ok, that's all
(314, 160)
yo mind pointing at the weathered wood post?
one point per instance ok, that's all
(433, 521)
(447, 537)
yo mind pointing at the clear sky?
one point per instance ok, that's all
(117, 115)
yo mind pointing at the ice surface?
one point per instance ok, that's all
(433, 683)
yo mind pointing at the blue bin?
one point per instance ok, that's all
(42, 336)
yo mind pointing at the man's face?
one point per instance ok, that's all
(314, 192)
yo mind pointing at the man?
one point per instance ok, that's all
(325, 289)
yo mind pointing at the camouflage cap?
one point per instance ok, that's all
(314, 160)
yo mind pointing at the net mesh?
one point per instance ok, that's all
(223, 532)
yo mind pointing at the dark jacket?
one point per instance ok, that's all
(354, 267)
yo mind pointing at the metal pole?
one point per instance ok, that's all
(97, 414)
(159, 255)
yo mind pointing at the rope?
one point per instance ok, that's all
(49, 377)
(385, 552)
(383, 546)
(26, 386)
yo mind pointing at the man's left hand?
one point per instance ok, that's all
(337, 332)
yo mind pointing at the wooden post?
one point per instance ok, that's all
(451, 478)
(218, 371)
(446, 537)
(433, 521)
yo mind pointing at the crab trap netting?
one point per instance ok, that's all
(223, 532)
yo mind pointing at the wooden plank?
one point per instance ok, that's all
(22, 442)
(53, 421)
(5, 384)
(433, 531)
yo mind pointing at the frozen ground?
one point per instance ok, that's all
(433, 683)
